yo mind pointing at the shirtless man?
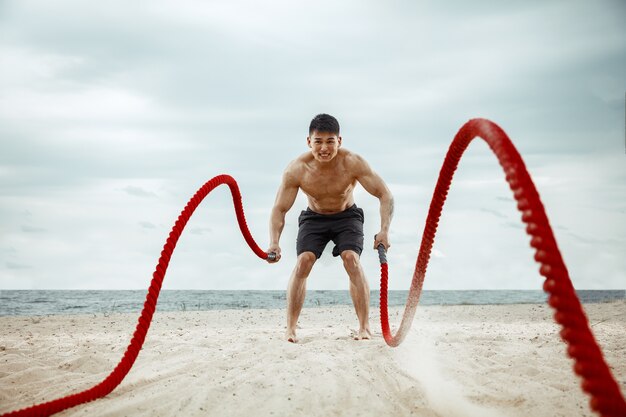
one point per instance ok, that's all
(328, 175)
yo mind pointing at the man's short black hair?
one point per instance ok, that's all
(324, 123)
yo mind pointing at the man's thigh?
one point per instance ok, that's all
(312, 237)
(349, 237)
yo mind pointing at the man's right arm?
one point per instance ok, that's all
(285, 198)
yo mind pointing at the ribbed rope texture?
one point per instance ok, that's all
(589, 363)
(127, 361)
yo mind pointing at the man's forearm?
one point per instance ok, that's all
(277, 223)
(386, 212)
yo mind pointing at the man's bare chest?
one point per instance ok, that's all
(334, 184)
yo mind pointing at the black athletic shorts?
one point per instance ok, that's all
(345, 229)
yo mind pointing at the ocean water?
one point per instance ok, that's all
(47, 302)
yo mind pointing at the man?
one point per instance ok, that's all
(328, 175)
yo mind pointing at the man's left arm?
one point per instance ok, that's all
(375, 185)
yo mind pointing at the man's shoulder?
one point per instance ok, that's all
(299, 163)
(348, 155)
(353, 161)
(295, 168)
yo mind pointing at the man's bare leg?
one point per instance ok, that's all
(296, 292)
(359, 291)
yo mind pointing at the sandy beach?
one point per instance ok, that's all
(502, 360)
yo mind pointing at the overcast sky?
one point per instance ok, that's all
(113, 113)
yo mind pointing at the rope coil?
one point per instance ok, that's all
(598, 381)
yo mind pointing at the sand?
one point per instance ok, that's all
(457, 361)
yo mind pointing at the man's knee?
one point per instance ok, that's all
(350, 260)
(304, 264)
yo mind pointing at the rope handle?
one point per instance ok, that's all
(382, 253)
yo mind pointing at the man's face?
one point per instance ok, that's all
(324, 145)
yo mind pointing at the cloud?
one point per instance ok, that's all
(494, 212)
(200, 230)
(147, 225)
(597, 243)
(138, 191)
(16, 266)
(32, 229)
(437, 253)
(515, 225)
(507, 199)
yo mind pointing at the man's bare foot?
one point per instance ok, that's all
(290, 336)
(363, 334)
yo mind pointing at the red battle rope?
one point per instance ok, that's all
(122, 368)
(597, 379)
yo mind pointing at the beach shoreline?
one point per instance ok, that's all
(468, 360)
